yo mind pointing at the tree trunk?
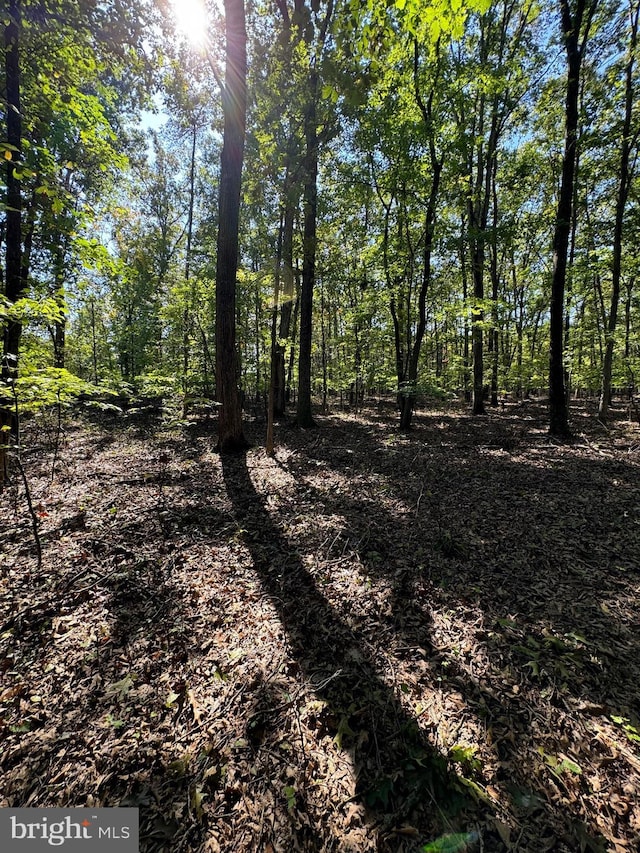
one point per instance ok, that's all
(627, 320)
(14, 283)
(495, 335)
(621, 201)
(274, 349)
(466, 361)
(59, 330)
(186, 314)
(575, 43)
(309, 242)
(230, 432)
(94, 341)
(436, 164)
(288, 297)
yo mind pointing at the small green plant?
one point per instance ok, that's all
(290, 795)
(456, 842)
(559, 765)
(47, 387)
(631, 732)
(465, 755)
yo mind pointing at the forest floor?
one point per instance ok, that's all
(371, 642)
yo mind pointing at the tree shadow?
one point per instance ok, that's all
(550, 605)
(381, 524)
(398, 772)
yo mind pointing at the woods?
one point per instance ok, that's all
(447, 200)
(319, 421)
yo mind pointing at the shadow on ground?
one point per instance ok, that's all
(398, 772)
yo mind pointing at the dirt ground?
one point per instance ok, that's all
(371, 642)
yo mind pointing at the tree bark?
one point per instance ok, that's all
(230, 431)
(621, 202)
(14, 284)
(575, 39)
(436, 163)
(186, 313)
(309, 243)
(288, 297)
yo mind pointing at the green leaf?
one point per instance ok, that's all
(179, 766)
(20, 727)
(534, 666)
(461, 754)
(171, 699)
(456, 842)
(570, 766)
(197, 797)
(290, 795)
(330, 93)
(477, 791)
(110, 720)
(343, 729)
(121, 688)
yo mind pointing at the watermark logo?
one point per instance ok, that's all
(70, 830)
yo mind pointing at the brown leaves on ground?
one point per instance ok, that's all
(371, 642)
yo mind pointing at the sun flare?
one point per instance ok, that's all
(192, 20)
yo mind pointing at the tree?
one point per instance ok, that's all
(14, 282)
(234, 104)
(494, 68)
(314, 48)
(408, 384)
(628, 141)
(576, 18)
(275, 182)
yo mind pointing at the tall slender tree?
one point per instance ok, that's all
(314, 27)
(576, 18)
(234, 104)
(14, 283)
(629, 140)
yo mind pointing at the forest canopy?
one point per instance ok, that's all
(436, 200)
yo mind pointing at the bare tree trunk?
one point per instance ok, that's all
(436, 162)
(274, 340)
(288, 297)
(466, 361)
(575, 32)
(186, 314)
(624, 181)
(317, 34)
(59, 329)
(304, 413)
(627, 319)
(230, 431)
(94, 341)
(14, 283)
